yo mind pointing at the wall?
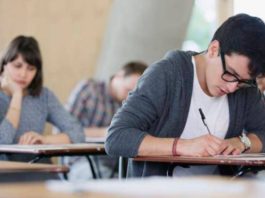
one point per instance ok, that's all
(69, 32)
(142, 30)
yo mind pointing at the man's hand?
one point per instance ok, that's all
(234, 146)
(203, 146)
(31, 138)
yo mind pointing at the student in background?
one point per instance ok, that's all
(161, 116)
(25, 105)
(94, 103)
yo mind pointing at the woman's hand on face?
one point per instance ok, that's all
(8, 85)
(31, 137)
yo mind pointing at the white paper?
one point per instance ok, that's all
(15, 147)
(154, 186)
(95, 139)
(244, 156)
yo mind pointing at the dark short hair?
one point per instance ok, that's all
(134, 67)
(28, 48)
(244, 35)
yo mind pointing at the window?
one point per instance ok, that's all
(202, 25)
(253, 7)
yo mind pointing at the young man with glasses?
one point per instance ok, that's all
(162, 117)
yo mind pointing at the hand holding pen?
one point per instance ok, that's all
(224, 147)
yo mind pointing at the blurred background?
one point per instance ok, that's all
(80, 39)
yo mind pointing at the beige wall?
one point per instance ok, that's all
(70, 33)
(224, 10)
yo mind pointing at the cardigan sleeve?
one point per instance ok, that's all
(60, 118)
(255, 121)
(141, 109)
(7, 131)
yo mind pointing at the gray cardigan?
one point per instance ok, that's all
(160, 104)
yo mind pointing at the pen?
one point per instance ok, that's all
(203, 120)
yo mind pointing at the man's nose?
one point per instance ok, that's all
(232, 86)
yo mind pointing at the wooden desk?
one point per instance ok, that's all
(22, 171)
(15, 167)
(206, 187)
(42, 151)
(248, 162)
(39, 190)
(244, 159)
(54, 150)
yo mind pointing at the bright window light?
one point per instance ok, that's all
(253, 7)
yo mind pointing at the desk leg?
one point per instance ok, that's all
(62, 163)
(92, 167)
(35, 159)
(122, 167)
(247, 169)
(65, 176)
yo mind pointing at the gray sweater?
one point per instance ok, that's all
(160, 104)
(35, 112)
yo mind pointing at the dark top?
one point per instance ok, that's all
(160, 104)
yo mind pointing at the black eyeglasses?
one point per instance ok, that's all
(229, 77)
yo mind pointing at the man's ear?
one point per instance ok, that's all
(214, 48)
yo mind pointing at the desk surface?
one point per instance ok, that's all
(206, 187)
(65, 149)
(33, 190)
(243, 159)
(15, 167)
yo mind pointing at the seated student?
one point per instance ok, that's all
(25, 105)
(94, 103)
(161, 116)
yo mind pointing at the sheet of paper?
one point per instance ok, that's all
(154, 186)
(244, 156)
(14, 147)
(95, 139)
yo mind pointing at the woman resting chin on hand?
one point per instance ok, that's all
(25, 104)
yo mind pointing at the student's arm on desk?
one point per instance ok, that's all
(206, 145)
(256, 145)
(32, 137)
(96, 131)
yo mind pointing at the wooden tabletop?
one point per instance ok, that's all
(244, 159)
(15, 167)
(62, 149)
(39, 190)
(206, 187)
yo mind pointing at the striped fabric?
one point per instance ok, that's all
(91, 104)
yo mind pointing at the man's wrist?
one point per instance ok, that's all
(174, 147)
(180, 146)
(245, 142)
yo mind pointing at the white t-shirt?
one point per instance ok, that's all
(216, 112)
